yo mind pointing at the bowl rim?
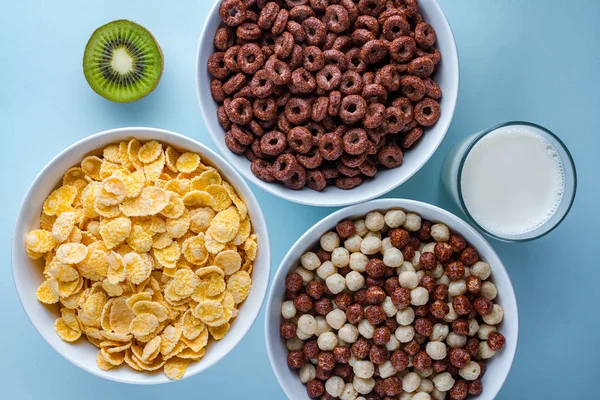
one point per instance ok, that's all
(162, 135)
(352, 198)
(272, 340)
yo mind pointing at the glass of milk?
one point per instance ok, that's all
(515, 181)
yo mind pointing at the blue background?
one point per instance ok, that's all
(534, 60)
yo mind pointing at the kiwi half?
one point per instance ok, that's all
(122, 61)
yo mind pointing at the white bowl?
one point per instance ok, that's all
(28, 276)
(447, 76)
(497, 368)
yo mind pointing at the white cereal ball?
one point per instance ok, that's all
(288, 309)
(361, 227)
(405, 317)
(306, 275)
(386, 243)
(440, 232)
(365, 329)
(467, 272)
(495, 317)
(348, 333)
(436, 350)
(421, 396)
(485, 330)
(307, 373)
(405, 334)
(352, 360)
(330, 241)
(411, 382)
(488, 290)
(374, 221)
(395, 218)
(354, 280)
(437, 272)
(388, 306)
(420, 274)
(370, 245)
(443, 382)
(406, 266)
(481, 269)
(393, 344)
(437, 394)
(336, 283)
(419, 296)
(352, 244)
(363, 369)
(307, 324)
(452, 315)
(425, 386)
(294, 344)
(326, 270)
(440, 332)
(374, 234)
(405, 396)
(340, 257)
(473, 327)
(409, 280)
(393, 257)
(428, 248)
(334, 386)
(443, 280)
(470, 371)
(485, 351)
(336, 318)
(310, 261)
(416, 260)
(455, 341)
(303, 335)
(456, 288)
(358, 262)
(362, 385)
(386, 370)
(322, 325)
(327, 341)
(349, 393)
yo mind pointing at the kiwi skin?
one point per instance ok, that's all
(88, 71)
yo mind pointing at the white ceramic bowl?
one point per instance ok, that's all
(497, 368)
(447, 76)
(27, 273)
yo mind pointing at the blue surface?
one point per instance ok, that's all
(520, 60)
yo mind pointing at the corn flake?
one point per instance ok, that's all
(150, 202)
(219, 332)
(188, 162)
(149, 152)
(175, 367)
(239, 285)
(62, 272)
(114, 232)
(229, 261)
(198, 198)
(221, 198)
(47, 292)
(39, 241)
(91, 167)
(133, 148)
(138, 269)
(194, 250)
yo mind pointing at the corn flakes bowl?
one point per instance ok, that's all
(133, 276)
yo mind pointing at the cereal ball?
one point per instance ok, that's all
(329, 241)
(412, 223)
(437, 272)
(405, 334)
(439, 309)
(440, 332)
(378, 354)
(352, 244)
(452, 315)
(294, 344)
(323, 255)
(399, 360)
(336, 283)
(462, 305)
(326, 360)
(386, 243)
(440, 292)
(323, 306)
(287, 330)
(421, 396)
(469, 256)
(473, 284)
(436, 350)
(375, 268)
(348, 333)
(412, 348)
(360, 227)
(326, 270)
(363, 386)
(345, 229)
(438, 395)
(473, 327)
(358, 262)
(370, 245)
(421, 361)
(327, 341)
(288, 310)
(315, 388)
(440, 366)
(311, 349)
(440, 232)
(456, 288)
(340, 257)
(443, 280)
(409, 280)
(443, 382)
(395, 218)
(475, 387)
(455, 341)
(485, 330)
(315, 289)
(428, 283)
(401, 298)
(334, 386)
(485, 351)
(343, 301)
(405, 317)
(424, 326)
(393, 344)
(349, 393)
(295, 359)
(495, 317)
(366, 329)
(303, 303)
(374, 221)
(386, 370)
(307, 373)
(310, 261)
(375, 315)
(426, 386)
(302, 335)
(355, 313)
(470, 371)
(306, 275)
(375, 295)
(459, 357)
(472, 347)
(399, 237)
(393, 257)
(419, 296)
(336, 318)
(488, 290)
(355, 281)
(455, 270)
(364, 369)
(392, 386)
(388, 307)
(381, 335)
(481, 269)
(459, 390)
(342, 354)
(411, 382)
(496, 341)
(460, 327)
(361, 349)
(374, 234)
(293, 282)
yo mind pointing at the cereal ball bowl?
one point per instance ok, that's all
(139, 251)
(327, 104)
(391, 298)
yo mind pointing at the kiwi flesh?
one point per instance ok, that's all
(122, 61)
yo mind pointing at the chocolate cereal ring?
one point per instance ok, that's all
(233, 145)
(337, 58)
(315, 180)
(297, 57)
(319, 5)
(406, 107)
(413, 88)
(411, 137)
(265, 109)
(390, 77)
(355, 63)
(350, 5)
(284, 167)
(315, 31)
(352, 109)
(223, 118)
(432, 53)
(297, 31)
(347, 171)
(351, 83)
(298, 180)
(361, 36)
(300, 139)
(216, 89)
(279, 72)
(244, 137)
(295, 3)
(283, 124)
(248, 31)
(255, 148)
(427, 112)
(231, 58)
(315, 129)
(374, 51)
(402, 49)
(280, 22)
(267, 15)
(336, 18)
(297, 110)
(261, 85)
(390, 156)
(262, 170)
(425, 34)
(239, 111)
(245, 91)
(250, 58)
(216, 65)
(355, 141)
(300, 13)
(408, 7)
(234, 83)
(233, 12)
(331, 146)
(319, 109)
(284, 44)
(368, 168)
(371, 7)
(395, 27)
(313, 58)
(393, 120)
(374, 93)
(347, 183)
(353, 160)
(273, 143)
(421, 67)
(335, 101)
(342, 43)
(368, 78)
(374, 115)
(224, 38)
(256, 129)
(303, 80)
(432, 89)
(311, 160)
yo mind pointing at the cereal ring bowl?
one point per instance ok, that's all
(298, 336)
(130, 279)
(250, 127)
